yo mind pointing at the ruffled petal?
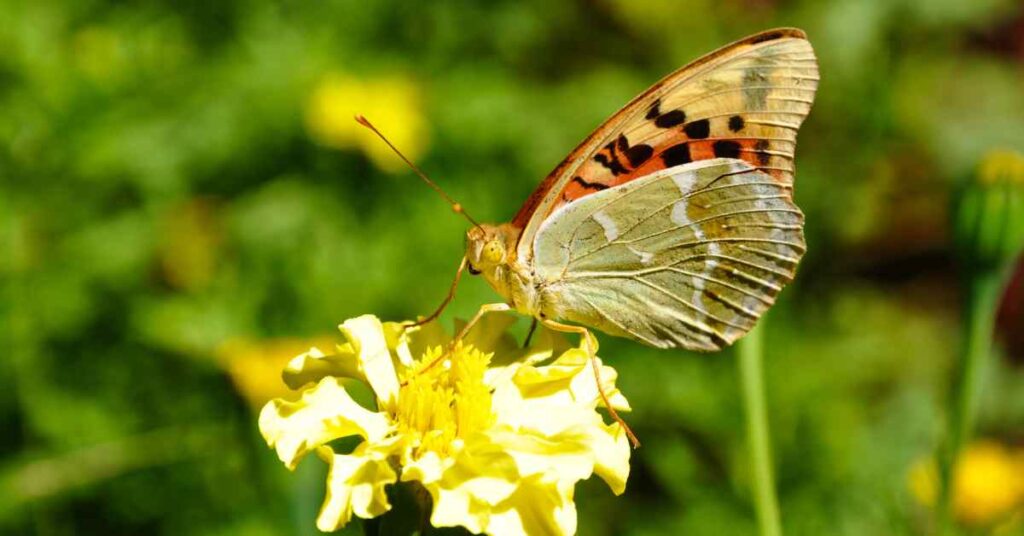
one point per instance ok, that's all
(539, 506)
(428, 468)
(414, 340)
(569, 380)
(396, 336)
(355, 485)
(611, 455)
(480, 476)
(326, 412)
(557, 402)
(315, 365)
(366, 335)
(564, 453)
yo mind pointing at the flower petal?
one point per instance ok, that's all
(557, 402)
(467, 487)
(408, 343)
(538, 506)
(428, 468)
(482, 469)
(355, 485)
(326, 412)
(366, 334)
(315, 365)
(570, 379)
(490, 334)
(396, 336)
(611, 455)
(564, 454)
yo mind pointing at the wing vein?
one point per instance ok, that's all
(709, 219)
(691, 306)
(618, 324)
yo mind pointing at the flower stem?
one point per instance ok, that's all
(751, 356)
(983, 291)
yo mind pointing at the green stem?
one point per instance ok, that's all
(751, 356)
(983, 291)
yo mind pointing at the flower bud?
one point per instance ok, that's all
(988, 214)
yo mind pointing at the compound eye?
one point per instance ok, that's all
(493, 252)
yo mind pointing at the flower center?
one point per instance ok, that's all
(440, 402)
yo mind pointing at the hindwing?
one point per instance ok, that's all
(688, 256)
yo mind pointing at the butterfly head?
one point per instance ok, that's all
(485, 248)
(488, 247)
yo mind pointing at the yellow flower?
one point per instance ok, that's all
(989, 483)
(393, 104)
(497, 435)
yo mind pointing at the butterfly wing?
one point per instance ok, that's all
(689, 256)
(743, 101)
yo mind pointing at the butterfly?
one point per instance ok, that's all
(673, 224)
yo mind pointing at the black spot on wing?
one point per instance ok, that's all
(698, 130)
(654, 111)
(622, 142)
(610, 160)
(589, 185)
(610, 163)
(638, 154)
(761, 150)
(726, 149)
(670, 119)
(736, 123)
(676, 155)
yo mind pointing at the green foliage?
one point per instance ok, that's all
(161, 194)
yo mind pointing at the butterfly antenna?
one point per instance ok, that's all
(456, 206)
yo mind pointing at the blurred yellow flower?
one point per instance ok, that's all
(254, 365)
(392, 103)
(989, 483)
(498, 439)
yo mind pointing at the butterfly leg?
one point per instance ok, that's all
(589, 344)
(484, 309)
(529, 334)
(447, 300)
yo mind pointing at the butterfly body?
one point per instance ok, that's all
(673, 224)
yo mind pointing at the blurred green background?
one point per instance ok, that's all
(186, 203)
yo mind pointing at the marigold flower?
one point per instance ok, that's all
(498, 435)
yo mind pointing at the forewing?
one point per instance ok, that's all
(744, 101)
(687, 257)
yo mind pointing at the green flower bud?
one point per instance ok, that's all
(988, 214)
